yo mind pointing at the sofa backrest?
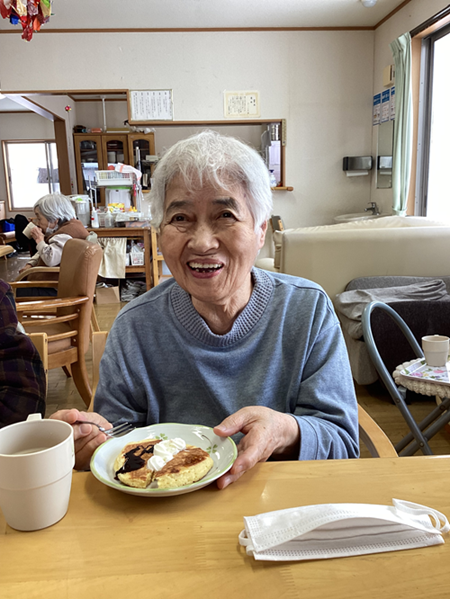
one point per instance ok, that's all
(333, 257)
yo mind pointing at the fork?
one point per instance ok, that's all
(116, 431)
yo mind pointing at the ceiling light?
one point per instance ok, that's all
(368, 3)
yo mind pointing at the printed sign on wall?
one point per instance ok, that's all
(376, 109)
(392, 116)
(385, 105)
(241, 104)
(150, 105)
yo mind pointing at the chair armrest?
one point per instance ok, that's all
(57, 302)
(36, 270)
(373, 437)
(30, 284)
(5, 250)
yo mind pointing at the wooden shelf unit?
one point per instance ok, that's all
(133, 233)
(95, 147)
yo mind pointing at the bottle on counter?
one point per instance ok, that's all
(94, 219)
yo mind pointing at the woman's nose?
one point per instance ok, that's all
(203, 238)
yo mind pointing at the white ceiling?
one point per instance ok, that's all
(117, 14)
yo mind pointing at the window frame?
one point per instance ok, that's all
(6, 162)
(424, 117)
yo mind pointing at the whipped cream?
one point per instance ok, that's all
(163, 452)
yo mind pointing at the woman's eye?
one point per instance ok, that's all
(227, 215)
(178, 218)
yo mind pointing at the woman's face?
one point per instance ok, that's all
(209, 241)
(42, 222)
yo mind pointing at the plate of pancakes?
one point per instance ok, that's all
(205, 458)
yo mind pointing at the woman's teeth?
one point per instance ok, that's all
(198, 267)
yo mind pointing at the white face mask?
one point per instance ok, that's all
(50, 230)
(341, 529)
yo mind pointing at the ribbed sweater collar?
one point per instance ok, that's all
(194, 324)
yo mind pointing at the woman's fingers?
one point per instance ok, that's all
(86, 437)
(266, 432)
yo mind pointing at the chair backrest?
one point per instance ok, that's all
(372, 347)
(373, 437)
(80, 263)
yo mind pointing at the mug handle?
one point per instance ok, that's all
(34, 417)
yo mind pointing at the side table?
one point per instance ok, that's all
(436, 419)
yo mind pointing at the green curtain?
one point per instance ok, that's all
(401, 157)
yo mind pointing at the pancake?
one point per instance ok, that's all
(186, 467)
(130, 466)
(189, 465)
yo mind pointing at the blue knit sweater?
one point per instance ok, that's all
(285, 351)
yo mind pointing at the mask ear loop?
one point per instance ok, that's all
(439, 521)
(245, 542)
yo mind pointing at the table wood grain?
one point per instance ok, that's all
(113, 545)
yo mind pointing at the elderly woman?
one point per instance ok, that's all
(257, 355)
(56, 223)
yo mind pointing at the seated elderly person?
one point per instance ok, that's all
(22, 375)
(56, 223)
(255, 354)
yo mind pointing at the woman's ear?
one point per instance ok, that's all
(262, 234)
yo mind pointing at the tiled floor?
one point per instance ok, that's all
(374, 398)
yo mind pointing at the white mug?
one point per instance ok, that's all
(28, 229)
(36, 461)
(435, 349)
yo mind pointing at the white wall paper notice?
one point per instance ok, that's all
(151, 105)
(241, 104)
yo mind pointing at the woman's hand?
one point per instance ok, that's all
(26, 267)
(267, 433)
(86, 437)
(37, 234)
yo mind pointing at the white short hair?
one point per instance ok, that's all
(56, 206)
(218, 160)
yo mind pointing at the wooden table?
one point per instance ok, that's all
(112, 545)
(135, 233)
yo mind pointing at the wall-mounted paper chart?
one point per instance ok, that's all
(150, 105)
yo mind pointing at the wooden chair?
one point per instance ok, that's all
(98, 346)
(373, 437)
(5, 250)
(157, 259)
(66, 319)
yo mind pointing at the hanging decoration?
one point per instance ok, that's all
(31, 14)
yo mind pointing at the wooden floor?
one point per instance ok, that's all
(374, 398)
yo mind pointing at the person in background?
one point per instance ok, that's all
(56, 223)
(257, 355)
(22, 377)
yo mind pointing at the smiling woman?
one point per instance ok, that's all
(258, 356)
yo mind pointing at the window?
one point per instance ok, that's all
(433, 196)
(31, 170)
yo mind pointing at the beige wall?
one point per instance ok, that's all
(320, 82)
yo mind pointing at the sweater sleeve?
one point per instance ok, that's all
(326, 410)
(51, 252)
(119, 398)
(22, 377)
(34, 259)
